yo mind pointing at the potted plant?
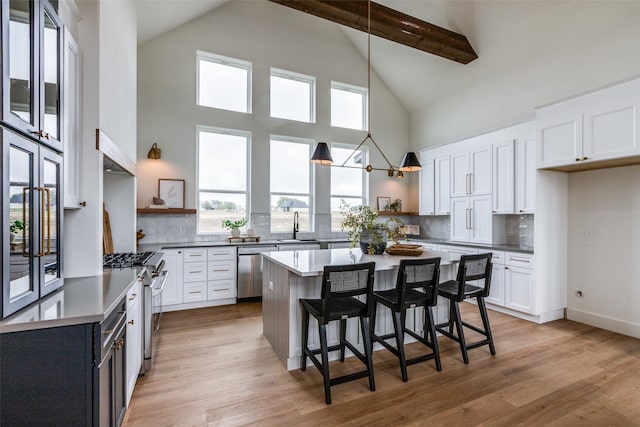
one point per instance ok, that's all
(395, 206)
(363, 228)
(14, 228)
(234, 225)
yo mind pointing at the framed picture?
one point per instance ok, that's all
(172, 192)
(383, 202)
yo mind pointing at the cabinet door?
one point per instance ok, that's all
(72, 122)
(443, 185)
(427, 186)
(460, 219)
(610, 122)
(134, 337)
(481, 222)
(460, 174)
(480, 170)
(51, 60)
(496, 290)
(559, 135)
(525, 176)
(503, 177)
(51, 212)
(173, 290)
(519, 289)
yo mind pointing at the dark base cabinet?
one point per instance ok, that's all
(65, 376)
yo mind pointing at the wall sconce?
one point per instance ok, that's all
(154, 153)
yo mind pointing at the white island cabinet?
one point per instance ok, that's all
(289, 276)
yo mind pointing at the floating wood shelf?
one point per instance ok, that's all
(392, 213)
(170, 211)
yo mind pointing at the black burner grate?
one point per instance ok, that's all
(126, 259)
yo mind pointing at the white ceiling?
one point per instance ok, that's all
(504, 34)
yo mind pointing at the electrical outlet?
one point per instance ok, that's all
(270, 285)
(588, 235)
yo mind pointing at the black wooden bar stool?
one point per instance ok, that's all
(471, 268)
(412, 274)
(340, 287)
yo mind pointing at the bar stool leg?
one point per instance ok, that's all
(398, 326)
(343, 338)
(485, 322)
(325, 362)
(368, 350)
(430, 329)
(305, 339)
(459, 329)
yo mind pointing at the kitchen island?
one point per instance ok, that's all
(289, 276)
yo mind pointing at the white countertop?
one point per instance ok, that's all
(78, 301)
(312, 262)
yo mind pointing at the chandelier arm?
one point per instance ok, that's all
(385, 157)
(357, 148)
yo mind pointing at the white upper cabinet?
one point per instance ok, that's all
(471, 172)
(504, 177)
(525, 176)
(427, 185)
(442, 184)
(600, 126)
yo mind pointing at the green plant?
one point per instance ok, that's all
(234, 225)
(16, 226)
(394, 206)
(361, 221)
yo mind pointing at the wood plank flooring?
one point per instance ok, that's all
(214, 367)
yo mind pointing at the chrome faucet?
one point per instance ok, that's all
(296, 228)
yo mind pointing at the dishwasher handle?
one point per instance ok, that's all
(256, 250)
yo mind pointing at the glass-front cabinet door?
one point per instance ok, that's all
(50, 193)
(32, 69)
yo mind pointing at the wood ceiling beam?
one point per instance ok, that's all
(391, 25)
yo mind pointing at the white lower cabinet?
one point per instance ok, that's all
(199, 277)
(496, 289)
(134, 337)
(519, 289)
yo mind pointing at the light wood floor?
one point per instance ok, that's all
(214, 367)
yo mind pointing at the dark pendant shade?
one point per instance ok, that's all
(410, 163)
(322, 155)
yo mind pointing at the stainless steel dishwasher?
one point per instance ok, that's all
(250, 270)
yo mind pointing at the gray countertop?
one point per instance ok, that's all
(78, 301)
(494, 247)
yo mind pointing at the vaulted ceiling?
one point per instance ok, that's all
(505, 35)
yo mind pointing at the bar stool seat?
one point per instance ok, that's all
(340, 287)
(472, 268)
(412, 274)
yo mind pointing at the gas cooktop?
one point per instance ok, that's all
(127, 259)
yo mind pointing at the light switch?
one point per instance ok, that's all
(270, 285)
(588, 235)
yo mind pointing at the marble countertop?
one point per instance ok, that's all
(312, 262)
(78, 301)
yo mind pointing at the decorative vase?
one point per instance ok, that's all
(379, 241)
(235, 232)
(12, 238)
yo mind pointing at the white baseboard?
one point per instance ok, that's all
(547, 316)
(604, 322)
(201, 304)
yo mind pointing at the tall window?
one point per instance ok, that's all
(290, 183)
(347, 184)
(222, 177)
(223, 82)
(293, 96)
(348, 106)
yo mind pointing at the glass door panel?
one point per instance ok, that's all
(21, 61)
(50, 222)
(22, 288)
(51, 80)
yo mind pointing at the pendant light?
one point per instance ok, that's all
(322, 155)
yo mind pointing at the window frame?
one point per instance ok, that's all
(297, 140)
(231, 62)
(365, 178)
(298, 77)
(224, 131)
(352, 89)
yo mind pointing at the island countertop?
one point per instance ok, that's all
(306, 263)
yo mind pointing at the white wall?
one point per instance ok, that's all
(267, 35)
(583, 46)
(606, 204)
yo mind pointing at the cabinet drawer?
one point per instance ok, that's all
(195, 292)
(195, 271)
(497, 257)
(429, 246)
(195, 254)
(220, 254)
(221, 270)
(221, 289)
(461, 250)
(519, 260)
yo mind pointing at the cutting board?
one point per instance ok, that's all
(107, 241)
(404, 249)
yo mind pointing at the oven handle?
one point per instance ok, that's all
(156, 289)
(158, 269)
